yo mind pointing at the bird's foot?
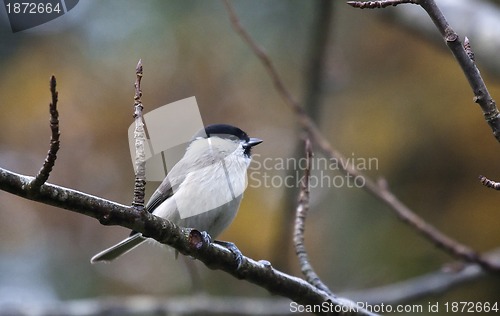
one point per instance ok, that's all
(238, 256)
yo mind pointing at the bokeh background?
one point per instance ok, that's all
(387, 93)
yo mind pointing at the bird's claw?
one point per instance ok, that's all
(238, 256)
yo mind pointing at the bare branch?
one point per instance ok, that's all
(50, 160)
(438, 238)
(378, 4)
(140, 141)
(471, 72)
(300, 219)
(464, 56)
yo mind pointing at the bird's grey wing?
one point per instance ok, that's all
(169, 185)
(166, 189)
(163, 192)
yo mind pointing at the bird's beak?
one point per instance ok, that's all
(253, 142)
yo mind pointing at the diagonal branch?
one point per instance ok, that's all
(469, 68)
(378, 190)
(461, 51)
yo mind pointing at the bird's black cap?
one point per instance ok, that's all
(226, 130)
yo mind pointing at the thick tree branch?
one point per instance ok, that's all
(378, 190)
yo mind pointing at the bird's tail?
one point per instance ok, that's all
(119, 249)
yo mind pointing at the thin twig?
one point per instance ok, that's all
(489, 183)
(381, 192)
(140, 140)
(300, 220)
(378, 4)
(50, 160)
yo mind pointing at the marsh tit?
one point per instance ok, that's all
(203, 190)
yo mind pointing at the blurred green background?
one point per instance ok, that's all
(387, 94)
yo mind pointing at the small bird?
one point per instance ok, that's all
(203, 190)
